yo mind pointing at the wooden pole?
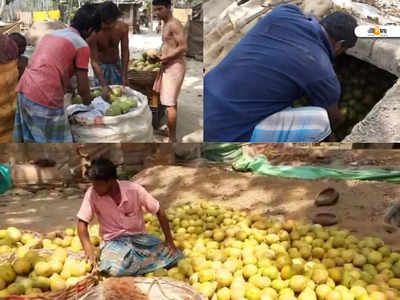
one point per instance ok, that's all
(3, 5)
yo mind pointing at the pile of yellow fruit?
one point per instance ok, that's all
(229, 255)
(35, 271)
(232, 255)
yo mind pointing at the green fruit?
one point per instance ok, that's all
(374, 257)
(77, 100)
(117, 91)
(113, 110)
(16, 289)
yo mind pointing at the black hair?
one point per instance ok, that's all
(109, 11)
(340, 26)
(17, 36)
(102, 169)
(166, 3)
(86, 18)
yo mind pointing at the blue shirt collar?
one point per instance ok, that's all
(323, 37)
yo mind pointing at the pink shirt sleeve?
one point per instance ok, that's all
(86, 211)
(148, 201)
(82, 58)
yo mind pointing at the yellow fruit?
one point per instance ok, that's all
(43, 269)
(22, 266)
(77, 269)
(7, 273)
(374, 257)
(207, 288)
(2, 284)
(323, 291)
(377, 296)
(394, 283)
(14, 234)
(249, 270)
(76, 244)
(206, 275)
(224, 294)
(224, 277)
(259, 281)
(252, 292)
(57, 283)
(55, 266)
(69, 231)
(298, 283)
(358, 291)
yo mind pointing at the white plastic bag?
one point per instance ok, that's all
(135, 126)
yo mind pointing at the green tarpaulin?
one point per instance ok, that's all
(5, 179)
(261, 165)
(222, 152)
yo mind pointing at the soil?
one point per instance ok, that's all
(361, 206)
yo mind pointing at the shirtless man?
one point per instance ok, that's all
(173, 50)
(104, 46)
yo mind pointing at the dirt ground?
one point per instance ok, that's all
(361, 206)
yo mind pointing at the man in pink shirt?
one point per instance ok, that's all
(119, 207)
(59, 55)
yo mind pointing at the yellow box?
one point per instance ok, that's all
(55, 14)
(46, 15)
(40, 16)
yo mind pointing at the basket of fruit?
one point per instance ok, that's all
(57, 271)
(143, 71)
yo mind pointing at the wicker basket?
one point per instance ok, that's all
(73, 292)
(142, 78)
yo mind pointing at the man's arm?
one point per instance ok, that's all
(163, 220)
(125, 54)
(179, 36)
(336, 118)
(83, 86)
(83, 234)
(98, 72)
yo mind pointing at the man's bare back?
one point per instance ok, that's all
(107, 43)
(170, 43)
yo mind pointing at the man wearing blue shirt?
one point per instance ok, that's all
(285, 56)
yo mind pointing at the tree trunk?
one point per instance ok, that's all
(2, 6)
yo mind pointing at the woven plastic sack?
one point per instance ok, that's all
(142, 288)
(135, 126)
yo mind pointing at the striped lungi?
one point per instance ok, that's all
(135, 255)
(111, 73)
(296, 125)
(40, 124)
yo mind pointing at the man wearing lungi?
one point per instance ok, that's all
(285, 56)
(104, 46)
(119, 207)
(173, 71)
(59, 55)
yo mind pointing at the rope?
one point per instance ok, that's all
(160, 287)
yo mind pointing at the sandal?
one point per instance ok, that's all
(327, 197)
